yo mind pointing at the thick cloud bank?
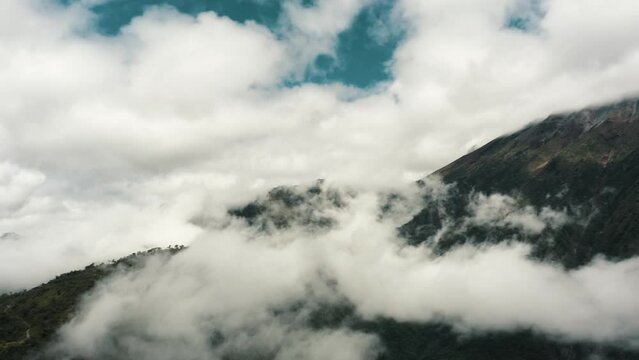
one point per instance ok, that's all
(111, 144)
(238, 291)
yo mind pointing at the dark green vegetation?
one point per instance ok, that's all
(285, 207)
(409, 341)
(585, 164)
(434, 341)
(30, 319)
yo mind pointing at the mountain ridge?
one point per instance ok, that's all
(587, 161)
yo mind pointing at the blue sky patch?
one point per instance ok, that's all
(526, 16)
(114, 14)
(362, 52)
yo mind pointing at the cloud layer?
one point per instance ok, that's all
(238, 290)
(111, 144)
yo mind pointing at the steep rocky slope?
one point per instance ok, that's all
(585, 164)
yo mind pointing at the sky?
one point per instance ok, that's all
(123, 121)
(357, 58)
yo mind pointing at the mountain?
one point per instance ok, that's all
(578, 172)
(586, 163)
(29, 319)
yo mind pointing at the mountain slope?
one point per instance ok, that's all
(586, 163)
(30, 319)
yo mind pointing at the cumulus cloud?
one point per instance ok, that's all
(237, 290)
(16, 186)
(313, 29)
(126, 138)
(503, 210)
(212, 317)
(113, 144)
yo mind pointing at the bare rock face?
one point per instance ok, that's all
(579, 151)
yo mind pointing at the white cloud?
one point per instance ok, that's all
(16, 187)
(313, 30)
(54, 237)
(114, 144)
(265, 276)
(238, 284)
(503, 210)
(474, 79)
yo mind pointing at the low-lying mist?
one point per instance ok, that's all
(252, 286)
